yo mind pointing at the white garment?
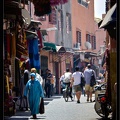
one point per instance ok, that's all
(39, 78)
(67, 77)
(77, 77)
(62, 78)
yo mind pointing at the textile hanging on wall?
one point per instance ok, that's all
(34, 53)
(42, 7)
(8, 36)
(21, 47)
(7, 44)
(40, 39)
(13, 48)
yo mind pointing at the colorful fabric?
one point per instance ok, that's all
(40, 38)
(8, 36)
(34, 53)
(13, 45)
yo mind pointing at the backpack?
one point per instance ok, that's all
(92, 80)
(82, 81)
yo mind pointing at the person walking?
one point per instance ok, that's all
(24, 79)
(52, 84)
(48, 76)
(61, 82)
(34, 91)
(87, 75)
(67, 81)
(38, 76)
(76, 81)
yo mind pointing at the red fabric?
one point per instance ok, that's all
(8, 42)
(40, 38)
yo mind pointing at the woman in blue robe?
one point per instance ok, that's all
(35, 92)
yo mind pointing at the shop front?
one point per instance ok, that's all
(15, 50)
(54, 55)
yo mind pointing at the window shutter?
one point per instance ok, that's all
(94, 42)
(78, 37)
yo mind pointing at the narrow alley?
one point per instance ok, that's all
(57, 109)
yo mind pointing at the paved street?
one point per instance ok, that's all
(57, 109)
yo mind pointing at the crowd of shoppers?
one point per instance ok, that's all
(36, 86)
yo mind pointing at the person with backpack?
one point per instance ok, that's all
(88, 72)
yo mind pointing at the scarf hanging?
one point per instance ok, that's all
(8, 43)
(13, 45)
(36, 54)
(5, 45)
(33, 53)
(40, 38)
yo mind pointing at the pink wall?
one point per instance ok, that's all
(45, 24)
(100, 37)
(83, 19)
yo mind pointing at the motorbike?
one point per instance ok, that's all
(102, 106)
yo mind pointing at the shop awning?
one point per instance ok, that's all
(34, 24)
(110, 18)
(53, 47)
(60, 49)
(49, 47)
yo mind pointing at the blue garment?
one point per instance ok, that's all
(34, 90)
(34, 53)
(88, 74)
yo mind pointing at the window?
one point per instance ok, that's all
(78, 37)
(94, 42)
(87, 37)
(83, 2)
(68, 22)
(53, 17)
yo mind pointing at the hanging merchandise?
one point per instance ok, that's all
(34, 53)
(40, 39)
(13, 48)
(42, 7)
(57, 2)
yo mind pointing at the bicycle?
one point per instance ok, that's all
(66, 93)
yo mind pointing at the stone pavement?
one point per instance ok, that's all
(57, 109)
